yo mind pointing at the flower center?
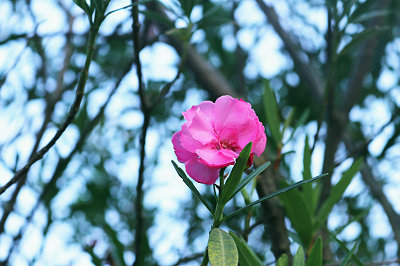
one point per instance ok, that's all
(227, 144)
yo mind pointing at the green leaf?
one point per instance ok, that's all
(222, 249)
(246, 254)
(98, 4)
(187, 6)
(190, 185)
(298, 259)
(117, 248)
(361, 37)
(315, 256)
(82, 4)
(300, 122)
(338, 190)
(288, 120)
(250, 177)
(279, 192)
(309, 194)
(96, 260)
(283, 261)
(349, 255)
(158, 18)
(236, 174)
(213, 17)
(272, 114)
(371, 15)
(356, 260)
(299, 214)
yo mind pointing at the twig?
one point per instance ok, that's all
(70, 116)
(147, 108)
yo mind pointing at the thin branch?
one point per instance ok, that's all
(193, 257)
(63, 162)
(70, 116)
(308, 74)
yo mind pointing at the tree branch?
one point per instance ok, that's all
(70, 116)
(308, 74)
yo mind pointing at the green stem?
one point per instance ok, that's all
(218, 214)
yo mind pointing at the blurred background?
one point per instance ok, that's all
(323, 76)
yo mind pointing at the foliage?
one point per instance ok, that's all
(80, 88)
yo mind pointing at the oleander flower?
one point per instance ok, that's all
(214, 134)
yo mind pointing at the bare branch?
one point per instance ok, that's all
(308, 74)
(70, 116)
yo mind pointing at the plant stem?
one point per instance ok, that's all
(218, 214)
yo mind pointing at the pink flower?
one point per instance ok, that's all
(214, 134)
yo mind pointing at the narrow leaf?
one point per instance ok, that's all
(117, 248)
(279, 192)
(156, 17)
(288, 120)
(236, 174)
(283, 261)
(272, 114)
(250, 177)
(215, 16)
(298, 259)
(315, 256)
(246, 254)
(356, 260)
(222, 249)
(309, 194)
(300, 122)
(338, 190)
(349, 255)
(187, 6)
(190, 185)
(361, 37)
(299, 214)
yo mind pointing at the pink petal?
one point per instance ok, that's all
(201, 129)
(187, 140)
(247, 134)
(190, 113)
(260, 141)
(215, 158)
(200, 172)
(182, 154)
(230, 113)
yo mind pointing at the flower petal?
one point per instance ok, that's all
(187, 140)
(260, 140)
(201, 129)
(200, 172)
(182, 154)
(215, 158)
(230, 113)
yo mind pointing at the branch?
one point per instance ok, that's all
(308, 74)
(377, 192)
(63, 162)
(70, 116)
(273, 214)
